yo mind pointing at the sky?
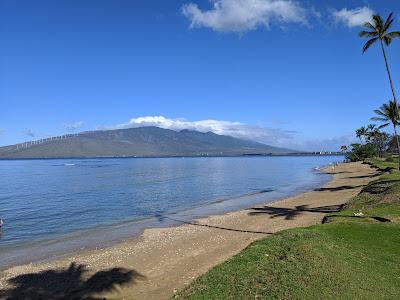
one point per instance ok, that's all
(282, 72)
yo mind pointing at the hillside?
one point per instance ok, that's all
(143, 141)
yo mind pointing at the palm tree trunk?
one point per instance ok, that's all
(398, 143)
(388, 71)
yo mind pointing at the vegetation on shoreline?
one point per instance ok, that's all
(375, 141)
(380, 199)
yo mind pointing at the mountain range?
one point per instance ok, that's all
(141, 142)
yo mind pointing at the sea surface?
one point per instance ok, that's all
(55, 206)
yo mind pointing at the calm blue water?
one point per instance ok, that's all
(51, 205)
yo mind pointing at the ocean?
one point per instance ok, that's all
(55, 206)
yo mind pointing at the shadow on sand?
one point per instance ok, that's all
(339, 172)
(69, 283)
(365, 176)
(162, 218)
(292, 213)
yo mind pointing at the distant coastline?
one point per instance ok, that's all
(182, 156)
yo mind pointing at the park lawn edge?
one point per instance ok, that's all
(346, 258)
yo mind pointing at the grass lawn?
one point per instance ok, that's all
(347, 258)
(380, 198)
(346, 261)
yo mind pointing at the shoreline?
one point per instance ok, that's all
(59, 246)
(169, 258)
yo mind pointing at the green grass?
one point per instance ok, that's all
(347, 258)
(335, 261)
(390, 165)
(382, 164)
(380, 198)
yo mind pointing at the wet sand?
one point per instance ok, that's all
(163, 260)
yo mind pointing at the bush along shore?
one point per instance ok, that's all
(354, 254)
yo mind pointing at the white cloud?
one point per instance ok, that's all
(244, 15)
(74, 126)
(353, 17)
(29, 132)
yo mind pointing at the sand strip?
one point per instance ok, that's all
(164, 260)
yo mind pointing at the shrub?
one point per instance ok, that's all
(361, 152)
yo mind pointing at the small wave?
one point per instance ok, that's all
(69, 164)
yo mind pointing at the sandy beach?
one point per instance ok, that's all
(163, 260)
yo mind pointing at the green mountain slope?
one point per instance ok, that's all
(143, 141)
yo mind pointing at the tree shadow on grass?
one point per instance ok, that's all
(292, 213)
(70, 283)
(381, 186)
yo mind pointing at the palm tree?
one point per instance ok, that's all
(361, 132)
(378, 30)
(389, 114)
(343, 149)
(370, 130)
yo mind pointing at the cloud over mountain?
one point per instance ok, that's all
(272, 136)
(235, 129)
(74, 126)
(29, 132)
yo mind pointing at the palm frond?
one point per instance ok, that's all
(380, 112)
(369, 26)
(387, 26)
(378, 22)
(393, 34)
(379, 119)
(384, 107)
(369, 44)
(387, 40)
(367, 33)
(388, 22)
(384, 125)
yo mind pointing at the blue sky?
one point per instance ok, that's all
(287, 73)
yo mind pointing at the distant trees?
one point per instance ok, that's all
(380, 140)
(373, 142)
(388, 113)
(344, 149)
(361, 133)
